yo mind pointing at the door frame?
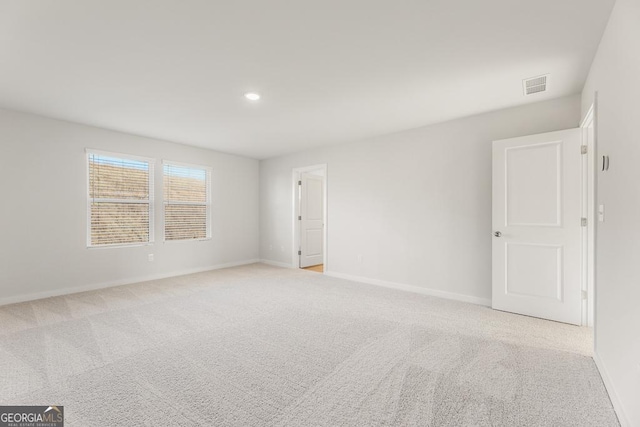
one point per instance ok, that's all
(295, 258)
(589, 193)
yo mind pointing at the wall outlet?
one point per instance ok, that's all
(270, 247)
(150, 257)
(360, 258)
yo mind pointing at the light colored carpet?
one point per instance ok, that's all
(264, 346)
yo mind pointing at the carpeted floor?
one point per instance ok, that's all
(265, 346)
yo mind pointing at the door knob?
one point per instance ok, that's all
(497, 234)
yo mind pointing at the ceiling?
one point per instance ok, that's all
(328, 71)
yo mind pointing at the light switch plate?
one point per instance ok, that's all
(600, 213)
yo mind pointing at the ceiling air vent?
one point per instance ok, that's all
(535, 84)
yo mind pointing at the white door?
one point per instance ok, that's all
(311, 219)
(537, 229)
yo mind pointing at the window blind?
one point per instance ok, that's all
(187, 202)
(120, 200)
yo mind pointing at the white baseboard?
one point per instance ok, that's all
(413, 288)
(613, 395)
(103, 285)
(276, 263)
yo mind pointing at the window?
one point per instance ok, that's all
(187, 202)
(120, 199)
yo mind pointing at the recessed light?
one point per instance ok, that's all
(252, 96)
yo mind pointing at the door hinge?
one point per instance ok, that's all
(299, 182)
(299, 218)
(584, 295)
(583, 222)
(299, 252)
(583, 149)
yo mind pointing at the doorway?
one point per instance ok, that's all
(310, 218)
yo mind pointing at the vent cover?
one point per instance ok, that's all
(535, 84)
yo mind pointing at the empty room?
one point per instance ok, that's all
(319, 213)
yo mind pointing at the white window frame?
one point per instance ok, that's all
(209, 172)
(151, 201)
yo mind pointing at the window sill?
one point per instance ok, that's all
(119, 245)
(186, 240)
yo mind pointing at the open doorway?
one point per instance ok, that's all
(310, 218)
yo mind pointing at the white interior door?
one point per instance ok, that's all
(537, 189)
(311, 219)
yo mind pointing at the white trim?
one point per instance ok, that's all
(119, 155)
(185, 165)
(589, 116)
(589, 176)
(121, 282)
(150, 202)
(208, 204)
(613, 395)
(87, 225)
(412, 288)
(295, 258)
(119, 245)
(171, 242)
(277, 263)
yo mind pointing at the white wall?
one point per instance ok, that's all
(43, 217)
(615, 75)
(415, 205)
